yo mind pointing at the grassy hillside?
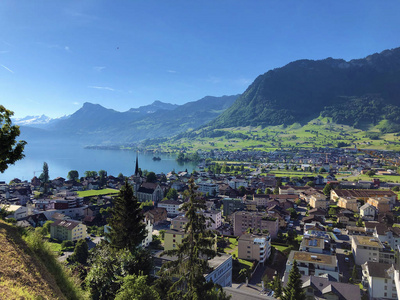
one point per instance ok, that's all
(23, 275)
(320, 132)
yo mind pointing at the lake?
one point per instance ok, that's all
(64, 157)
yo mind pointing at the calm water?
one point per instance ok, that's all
(63, 158)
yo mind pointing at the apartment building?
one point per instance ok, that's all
(67, 230)
(366, 248)
(254, 247)
(242, 220)
(379, 279)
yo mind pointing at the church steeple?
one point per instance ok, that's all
(137, 165)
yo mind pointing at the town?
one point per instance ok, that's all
(269, 211)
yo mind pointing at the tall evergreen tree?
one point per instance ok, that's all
(193, 254)
(127, 229)
(294, 287)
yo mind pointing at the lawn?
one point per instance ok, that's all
(54, 247)
(102, 192)
(280, 247)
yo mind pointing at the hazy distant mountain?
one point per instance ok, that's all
(94, 124)
(152, 108)
(36, 121)
(359, 92)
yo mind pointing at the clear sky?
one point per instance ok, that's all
(55, 55)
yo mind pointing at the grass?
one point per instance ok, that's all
(280, 247)
(91, 193)
(320, 132)
(23, 274)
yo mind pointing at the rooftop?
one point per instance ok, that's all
(367, 241)
(307, 257)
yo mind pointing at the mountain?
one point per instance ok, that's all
(95, 124)
(36, 121)
(359, 92)
(152, 108)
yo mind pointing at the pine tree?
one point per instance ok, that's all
(294, 289)
(127, 229)
(277, 286)
(193, 254)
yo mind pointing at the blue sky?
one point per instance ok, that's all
(56, 55)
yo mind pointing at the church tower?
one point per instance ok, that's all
(137, 180)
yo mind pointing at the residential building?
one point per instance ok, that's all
(67, 230)
(231, 205)
(210, 188)
(17, 212)
(379, 279)
(149, 229)
(382, 204)
(314, 264)
(179, 222)
(172, 238)
(322, 288)
(242, 220)
(237, 182)
(172, 207)
(216, 217)
(312, 244)
(156, 215)
(254, 247)
(366, 248)
(368, 212)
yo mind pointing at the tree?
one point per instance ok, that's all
(371, 173)
(310, 183)
(294, 289)
(46, 227)
(73, 175)
(151, 177)
(277, 287)
(136, 287)
(120, 176)
(44, 177)
(268, 191)
(103, 177)
(89, 174)
(109, 264)
(327, 189)
(81, 252)
(172, 194)
(259, 191)
(11, 150)
(322, 170)
(193, 253)
(242, 190)
(127, 229)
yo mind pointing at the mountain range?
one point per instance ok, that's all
(94, 124)
(363, 93)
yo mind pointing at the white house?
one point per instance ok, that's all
(379, 279)
(16, 211)
(172, 207)
(368, 212)
(210, 188)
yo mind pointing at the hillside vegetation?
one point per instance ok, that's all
(23, 273)
(359, 92)
(319, 132)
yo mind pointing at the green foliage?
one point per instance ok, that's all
(73, 175)
(293, 289)
(277, 286)
(81, 252)
(127, 229)
(396, 188)
(136, 287)
(102, 177)
(11, 150)
(310, 183)
(109, 265)
(371, 173)
(46, 227)
(193, 253)
(327, 189)
(67, 245)
(172, 194)
(151, 177)
(92, 174)
(42, 251)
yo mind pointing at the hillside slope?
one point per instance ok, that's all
(302, 90)
(22, 276)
